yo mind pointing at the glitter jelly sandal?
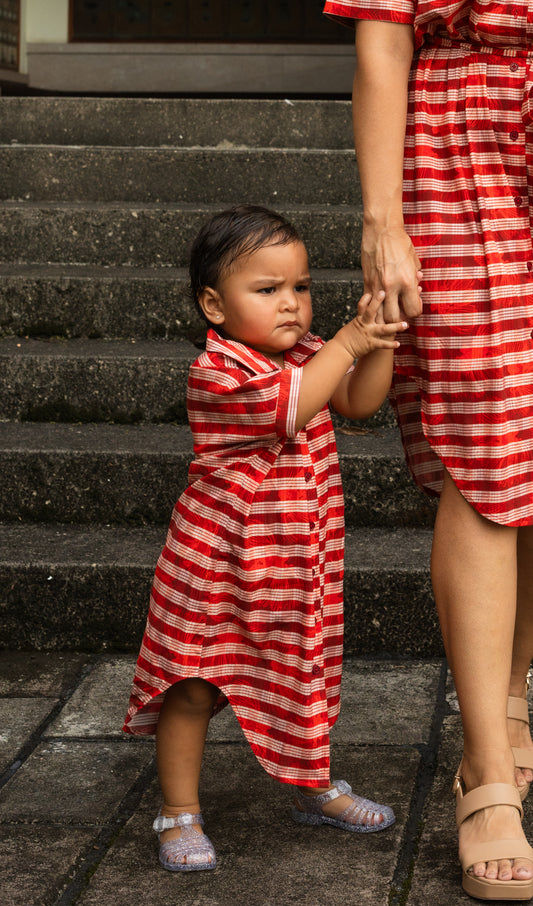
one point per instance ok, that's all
(517, 709)
(308, 810)
(191, 845)
(486, 888)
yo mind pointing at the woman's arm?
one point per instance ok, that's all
(389, 260)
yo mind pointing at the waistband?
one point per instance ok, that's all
(447, 45)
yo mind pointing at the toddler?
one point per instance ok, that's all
(246, 604)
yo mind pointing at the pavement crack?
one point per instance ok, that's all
(39, 733)
(408, 851)
(102, 842)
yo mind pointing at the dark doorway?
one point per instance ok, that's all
(294, 21)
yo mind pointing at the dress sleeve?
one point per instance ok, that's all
(347, 11)
(229, 408)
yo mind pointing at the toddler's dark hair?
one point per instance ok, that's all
(230, 234)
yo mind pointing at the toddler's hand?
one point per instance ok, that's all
(368, 332)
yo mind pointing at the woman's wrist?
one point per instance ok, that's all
(378, 218)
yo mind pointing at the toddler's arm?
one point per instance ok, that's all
(361, 393)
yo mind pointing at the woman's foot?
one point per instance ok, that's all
(338, 806)
(488, 825)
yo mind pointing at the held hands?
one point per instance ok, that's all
(360, 392)
(390, 263)
(367, 332)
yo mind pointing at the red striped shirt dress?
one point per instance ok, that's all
(463, 385)
(247, 592)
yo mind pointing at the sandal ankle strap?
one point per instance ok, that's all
(517, 709)
(340, 787)
(163, 823)
(484, 796)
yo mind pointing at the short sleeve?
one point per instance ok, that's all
(230, 407)
(347, 11)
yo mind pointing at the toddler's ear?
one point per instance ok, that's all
(211, 305)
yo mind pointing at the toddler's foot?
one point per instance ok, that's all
(183, 844)
(339, 807)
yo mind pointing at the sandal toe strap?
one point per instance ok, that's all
(495, 851)
(191, 846)
(360, 809)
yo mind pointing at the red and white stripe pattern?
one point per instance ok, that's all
(248, 589)
(463, 387)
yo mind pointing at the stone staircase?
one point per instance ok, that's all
(99, 200)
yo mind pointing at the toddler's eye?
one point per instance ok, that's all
(302, 288)
(267, 290)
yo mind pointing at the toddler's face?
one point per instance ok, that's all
(265, 301)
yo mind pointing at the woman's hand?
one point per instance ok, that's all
(390, 264)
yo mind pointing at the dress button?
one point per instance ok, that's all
(312, 524)
(518, 201)
(513, 136)
(315, 669)
(513, 67)
(308, 476)
(530, 265)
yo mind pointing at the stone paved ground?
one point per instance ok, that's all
(77, 797)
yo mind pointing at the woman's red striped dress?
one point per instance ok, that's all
(463, 386)
(248, 589)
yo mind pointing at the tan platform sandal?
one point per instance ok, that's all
(514, 848)
(517, 709)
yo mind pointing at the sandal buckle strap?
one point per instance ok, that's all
(340, 788)
(163, 823)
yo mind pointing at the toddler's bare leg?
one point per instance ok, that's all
(180, 740)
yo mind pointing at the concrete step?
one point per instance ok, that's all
(151, 235)
(122, 381)
(178, 122)
(165, 175)
(89, 301)
(94, 380)
(69, 587)
(133, 475)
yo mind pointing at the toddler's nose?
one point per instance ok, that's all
(290, 301)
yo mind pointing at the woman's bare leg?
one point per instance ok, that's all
(519, 734)
(474, 575)
(180, 741)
